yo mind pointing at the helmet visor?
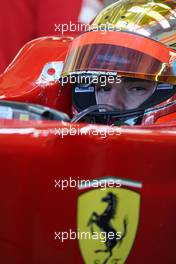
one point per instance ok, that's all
(126, 54)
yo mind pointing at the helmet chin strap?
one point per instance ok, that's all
(91, 109)
(114, 119)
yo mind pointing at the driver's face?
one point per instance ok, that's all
(129, 94)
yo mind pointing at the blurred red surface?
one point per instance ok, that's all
(21, 21)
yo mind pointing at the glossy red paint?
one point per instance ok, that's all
(20, 80)
(167, 118)
(33, 156)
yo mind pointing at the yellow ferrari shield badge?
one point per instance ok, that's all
(107, 224)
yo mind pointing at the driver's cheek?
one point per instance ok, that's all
(119, 102)
(119, 99)
(102, 98)
(134, 100)
(111, 98)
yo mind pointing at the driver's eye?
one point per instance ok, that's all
(102, 88)
(138, 90)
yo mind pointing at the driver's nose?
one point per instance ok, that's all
(114, 97)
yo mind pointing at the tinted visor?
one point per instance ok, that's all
(124, 53)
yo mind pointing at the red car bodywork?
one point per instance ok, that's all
(33, 156)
